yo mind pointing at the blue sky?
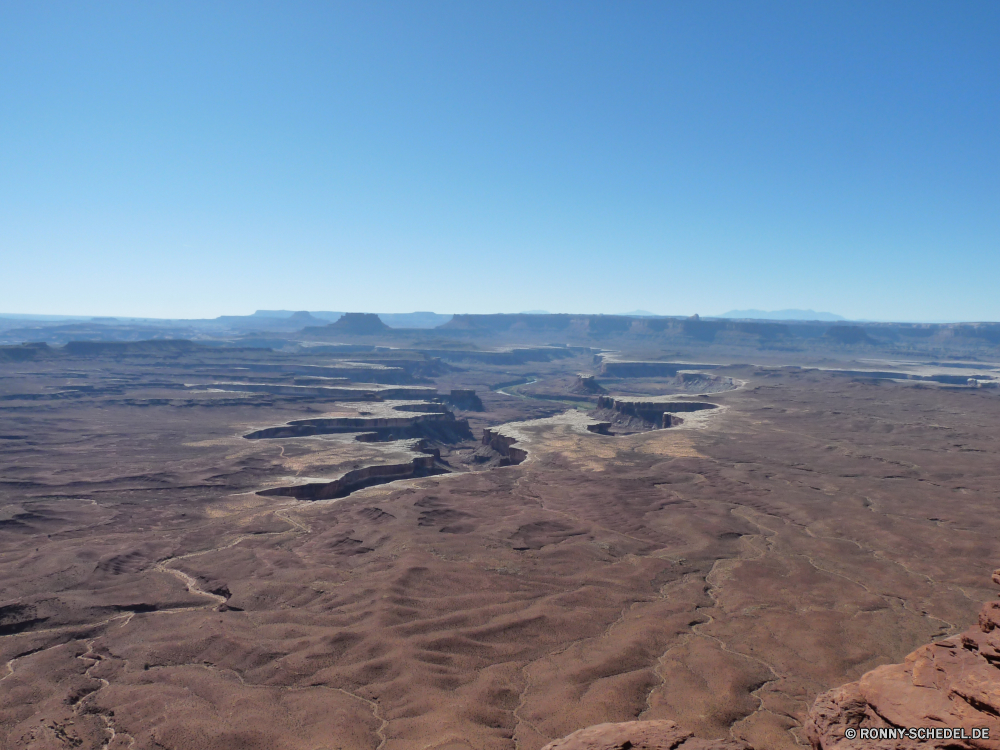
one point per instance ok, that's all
(195, 159)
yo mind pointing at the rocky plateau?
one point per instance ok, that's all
(481, 537)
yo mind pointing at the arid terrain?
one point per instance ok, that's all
(338, 546)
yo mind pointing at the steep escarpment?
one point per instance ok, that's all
(759, 335)
(356, 479)
(25, 352)
(329, 393)
(464, 398)
(358, 323)
(386, 421)
(951, 683)
(504, 445)
(653, 412)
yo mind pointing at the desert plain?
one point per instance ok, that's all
(333, 544)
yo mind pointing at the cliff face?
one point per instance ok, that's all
(952, 683)
(465, 398)
(405, 420)
(418, 466)
(504, 445)
(754, 334)
(653, 410)
(364, 324)
(507, 322)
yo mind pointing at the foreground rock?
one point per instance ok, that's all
(640, 735)
(952, 683)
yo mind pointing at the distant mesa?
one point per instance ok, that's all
(423, 319)
(522, 322)
(270, 320)
(500, 334)
(790, 314)
(288, 314)
(326, 315)
(849, 335)
(527, 323)
(301, 318)
(414, 319)
(25, 352)
(361, 324)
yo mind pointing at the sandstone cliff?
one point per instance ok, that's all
(951, 683)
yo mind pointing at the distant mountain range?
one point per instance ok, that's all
(58, 329)
(781, 315)
(393, 320)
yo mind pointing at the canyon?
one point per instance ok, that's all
(479, 539)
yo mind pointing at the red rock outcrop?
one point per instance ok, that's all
(640, 735)
(949, 684)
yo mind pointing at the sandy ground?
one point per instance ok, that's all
(720, 574)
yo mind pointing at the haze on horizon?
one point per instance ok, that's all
(189, 160)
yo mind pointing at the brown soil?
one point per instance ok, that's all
(720, 574)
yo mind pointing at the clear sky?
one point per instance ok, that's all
(177, 159)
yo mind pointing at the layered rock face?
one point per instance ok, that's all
(418, 466)
(654, 410)
(504, 445)
(640, 735)
(951, 683)
(385, 420)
